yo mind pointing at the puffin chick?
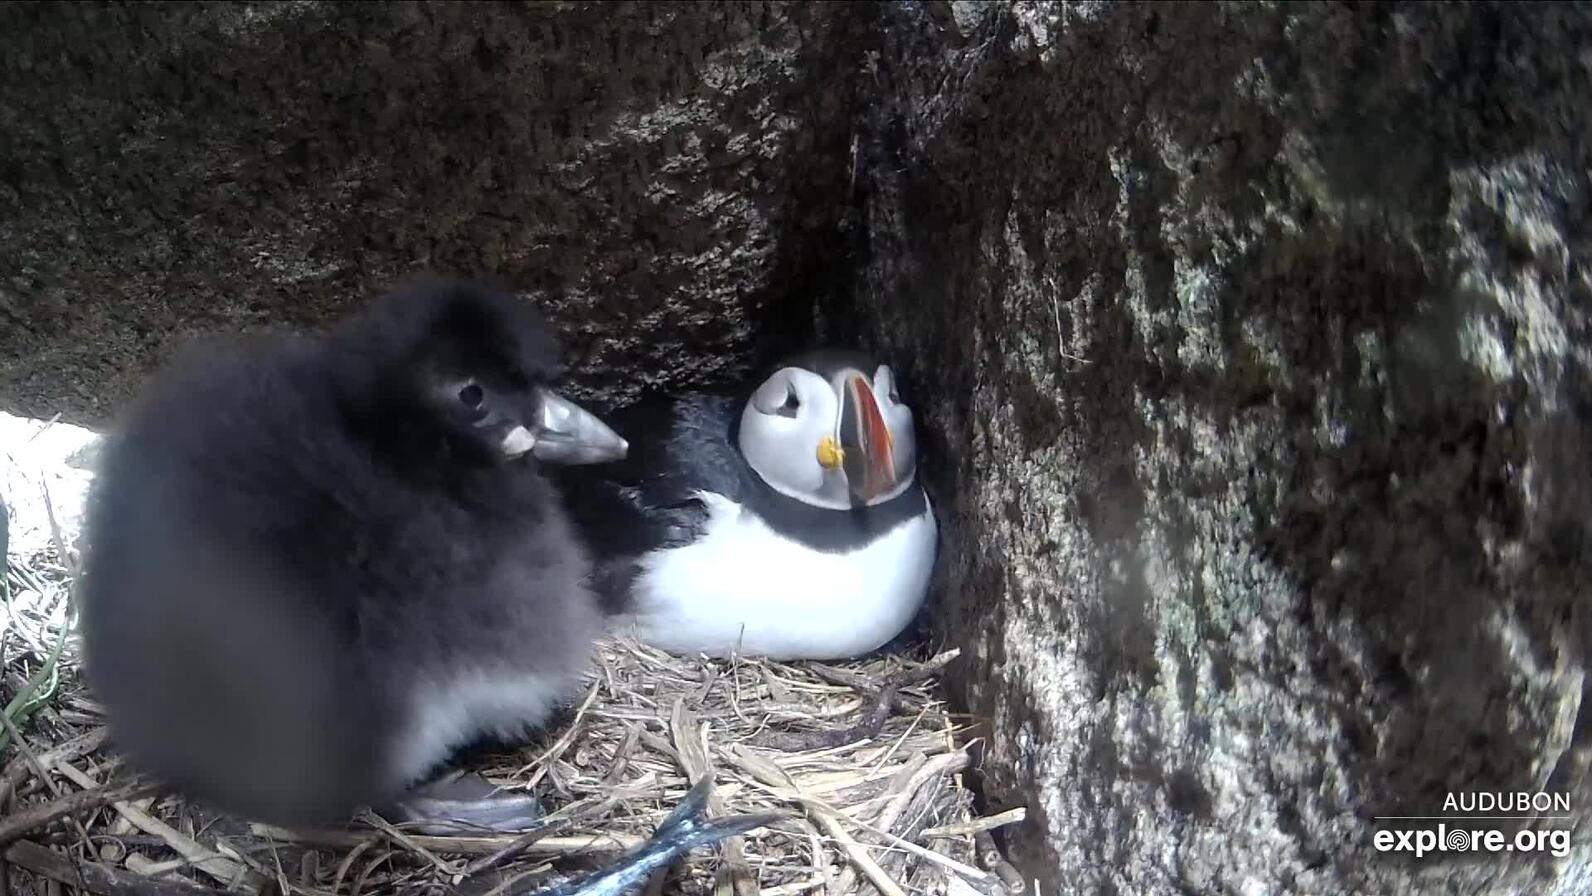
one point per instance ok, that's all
(318, 565)
(784, 520)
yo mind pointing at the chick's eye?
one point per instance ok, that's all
(471, 396)
(791, 405)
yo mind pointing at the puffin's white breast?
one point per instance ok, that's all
(744, 587)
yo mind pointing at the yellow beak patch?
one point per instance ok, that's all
(830, 453)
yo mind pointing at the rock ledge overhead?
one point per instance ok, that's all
(666, 179)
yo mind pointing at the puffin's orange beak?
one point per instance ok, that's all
(867, 448)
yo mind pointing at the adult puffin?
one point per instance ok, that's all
(785, 522)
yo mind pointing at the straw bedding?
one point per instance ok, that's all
(863, 759)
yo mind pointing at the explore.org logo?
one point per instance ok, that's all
(1467, 808)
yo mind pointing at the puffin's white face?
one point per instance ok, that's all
(838, 443)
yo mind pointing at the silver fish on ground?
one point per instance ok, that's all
(685, 829)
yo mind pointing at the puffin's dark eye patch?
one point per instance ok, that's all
(471, 396)
(792, 403)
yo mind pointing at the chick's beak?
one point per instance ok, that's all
(566, 433)
(866, 445)
(518, 441)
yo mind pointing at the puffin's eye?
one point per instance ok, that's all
(888, 379)
(471, 396)
(792, 403)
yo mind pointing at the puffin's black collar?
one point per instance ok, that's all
(826, 529)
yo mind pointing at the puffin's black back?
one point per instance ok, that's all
(648, 500)
(282, 543)
(679, 445)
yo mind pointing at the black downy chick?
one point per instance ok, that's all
(317, 565)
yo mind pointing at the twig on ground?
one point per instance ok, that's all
(600, 842)
(905, 678)
(19, 824)
(349, 860)
(409, 842)
(884, 698)
(826, 817)
(967, 871)
(16, 771)
(31, 757)
(223, 870)
(870, 726)
(978, 825)
(541, 763)
(95, 877)
(934, 769)
(523, 842)
(364, 874)
(989, 855)
(693, 751)
(857, 853)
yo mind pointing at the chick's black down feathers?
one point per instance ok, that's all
(306, 581)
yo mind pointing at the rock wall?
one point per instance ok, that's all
(1250, 344)
(665, 178)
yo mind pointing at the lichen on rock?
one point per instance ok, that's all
(1251, 343)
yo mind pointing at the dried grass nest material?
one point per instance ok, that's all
(862, 757)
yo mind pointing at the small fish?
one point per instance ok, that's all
(684, 829)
